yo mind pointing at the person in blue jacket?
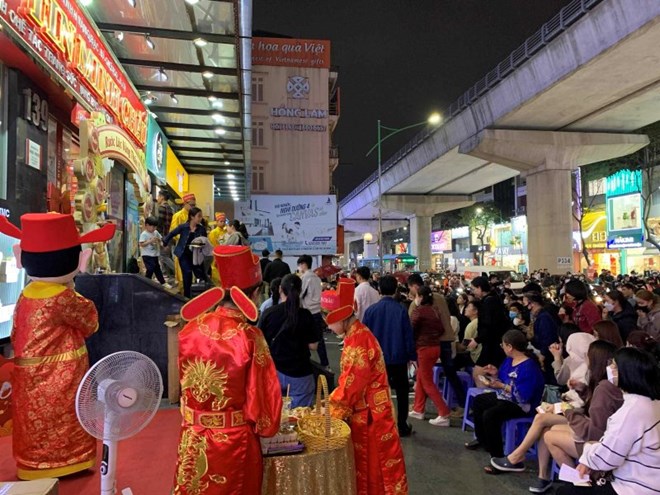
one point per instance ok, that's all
(389, 322)
(188, 232)
(518, 386)
(546, 333)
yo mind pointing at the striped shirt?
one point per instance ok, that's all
(630, 447)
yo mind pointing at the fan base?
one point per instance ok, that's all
(27, 474)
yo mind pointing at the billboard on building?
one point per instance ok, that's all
(624, 209)
(156, 152)
(295, 224)
(441, 241)
(291, 115)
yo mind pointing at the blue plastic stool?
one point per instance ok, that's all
(514, 433)
(448, 393)
(471, 393)
(554, 474)
(438, 375)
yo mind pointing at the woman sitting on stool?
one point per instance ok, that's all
(518, 387)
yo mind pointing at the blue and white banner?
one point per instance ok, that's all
(295, 224)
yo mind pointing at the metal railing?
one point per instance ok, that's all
(567, 16)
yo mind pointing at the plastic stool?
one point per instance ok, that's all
(514, 433)
(471, 393)
(448, 393)
(554, 474)
(438, 374)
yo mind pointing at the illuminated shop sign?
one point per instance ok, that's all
(624, 210)
(64, 40)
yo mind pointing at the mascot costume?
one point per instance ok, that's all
(51, 323)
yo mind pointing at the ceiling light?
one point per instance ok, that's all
(192, 2)
(217, 117)
(227, 163)
(153, 115)
(200, 42)
(175, 100)
(86, 3)
(207, 74)
(132, 3)
(232, 183)
(220, 131)
(149, 99)
(150, 43)
(212, 98)
(161, 75)
(217, 104)
(119, 35)
(230, 176)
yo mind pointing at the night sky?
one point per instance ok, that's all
(401, 60)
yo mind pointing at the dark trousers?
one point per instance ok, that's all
(450, 372)
(397, 375)
(490, 413)
(187, 270)
(152, 267)
(320, 327)
(568, 489)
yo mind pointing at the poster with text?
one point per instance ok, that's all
(295, 224)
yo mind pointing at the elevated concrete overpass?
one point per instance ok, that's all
(569, 96)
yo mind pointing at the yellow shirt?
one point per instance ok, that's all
(179, 218)
(216, 236)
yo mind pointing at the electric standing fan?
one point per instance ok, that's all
(118, 397)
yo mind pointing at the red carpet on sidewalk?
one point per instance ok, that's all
(145, 462)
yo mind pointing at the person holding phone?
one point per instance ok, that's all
(518, 386)
(472, 312)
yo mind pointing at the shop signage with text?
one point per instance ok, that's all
(61, 36)
(291, 52)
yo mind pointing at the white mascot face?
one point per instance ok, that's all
(83, 261)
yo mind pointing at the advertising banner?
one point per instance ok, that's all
(291, 52)
(594, 229)
(441, 241)
(156, 151)
(624, 210)
(61, 37)
(295, 224)
(176, 176)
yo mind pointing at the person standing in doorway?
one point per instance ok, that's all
(311, 300)
(390, 324)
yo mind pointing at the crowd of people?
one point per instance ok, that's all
(578, 357)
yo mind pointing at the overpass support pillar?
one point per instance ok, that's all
(420, 240)
(547, 158)
(550, 219)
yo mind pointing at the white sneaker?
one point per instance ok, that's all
(167, 286)
(416, 415)
(440, 421)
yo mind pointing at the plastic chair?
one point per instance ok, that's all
(438, 375)
(448, 393)
(471, 393)
(514, 433)
(554, 474)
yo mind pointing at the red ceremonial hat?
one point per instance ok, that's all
(220, 217)
(339, 303)
(238, 269)
(187, 198)
(48, 232)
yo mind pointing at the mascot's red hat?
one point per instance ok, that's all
(50, 242)
(339, 303)
(238, 269)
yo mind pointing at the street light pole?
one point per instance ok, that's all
(380, 204)
(434, 119)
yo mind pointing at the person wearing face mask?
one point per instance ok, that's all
(648, 312)
(519, 317)
(618, 309)
(629, 447)
(545, 334)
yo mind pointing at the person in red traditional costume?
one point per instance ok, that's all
(230, 394)
(362, 398)
(51, 323)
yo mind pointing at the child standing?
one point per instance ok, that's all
(150, 242)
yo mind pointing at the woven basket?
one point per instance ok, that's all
(318, 431)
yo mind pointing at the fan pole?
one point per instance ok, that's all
(109, 461)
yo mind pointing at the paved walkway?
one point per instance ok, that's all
(437, 462)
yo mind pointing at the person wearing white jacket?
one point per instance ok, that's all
(630, 447)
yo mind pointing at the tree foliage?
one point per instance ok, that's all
(480, 218)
